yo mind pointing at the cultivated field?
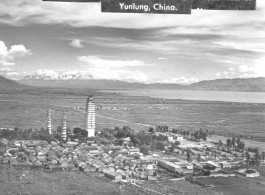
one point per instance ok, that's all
(28, 110)
(237, 185)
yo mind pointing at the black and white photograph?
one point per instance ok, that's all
(132, 97)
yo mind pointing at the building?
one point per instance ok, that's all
(134, 151)
(90, 117)
(248, 172)
(113, 175)
(169, 166)
(170, 139)
(49, 122)
(63, 132)
(210, 165)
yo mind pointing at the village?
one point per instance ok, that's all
(120, 160)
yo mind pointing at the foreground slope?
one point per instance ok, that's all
(25, 181)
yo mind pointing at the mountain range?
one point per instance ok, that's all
(237, 84)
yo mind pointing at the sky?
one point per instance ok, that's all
(66, 40)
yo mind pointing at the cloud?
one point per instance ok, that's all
(15, 51)
(7, 55)
(24, 12)
(56, 74)
(232, 69)
(235, 40)
(246, 69)
(114, 69)
(123, 75)
(12, 73)
(4, 71)
(256, 70)
(93, 73)
(76, 43)
(216, 46)
(159, 45)
(5, 63)
(95, 61)
(181, 80)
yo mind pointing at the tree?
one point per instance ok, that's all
(160, 145)
(204, 137)
(78, 132)
(122, 133)
(59, 130)
(119, 142)
(192, 135)
(199, 158)
(177, 143)
(174, 146)
(144, 149)
(151, 130)
(195, 134)
(162, 138)
(241, 145)
(68, 131)
(146, 138)
(174, 131)
(220, 143)
(233, 142)
(247, 159)
(228, 142)
(255, 150)
(263, 155)
(188, 156)
(42, 129)
(206, 172)
(134, 139)
(257, 157)
(238, 141)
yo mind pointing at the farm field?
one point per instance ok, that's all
(28, 110)
(235, 185)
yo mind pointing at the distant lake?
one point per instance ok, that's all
(226, 96)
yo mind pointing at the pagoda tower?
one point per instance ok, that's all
(49, 122)
(63, 132)
(90, 116)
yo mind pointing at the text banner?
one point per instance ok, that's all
(147, 6)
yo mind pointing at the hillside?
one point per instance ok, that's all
(7, 83)
(238, 84)
(96, 84)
